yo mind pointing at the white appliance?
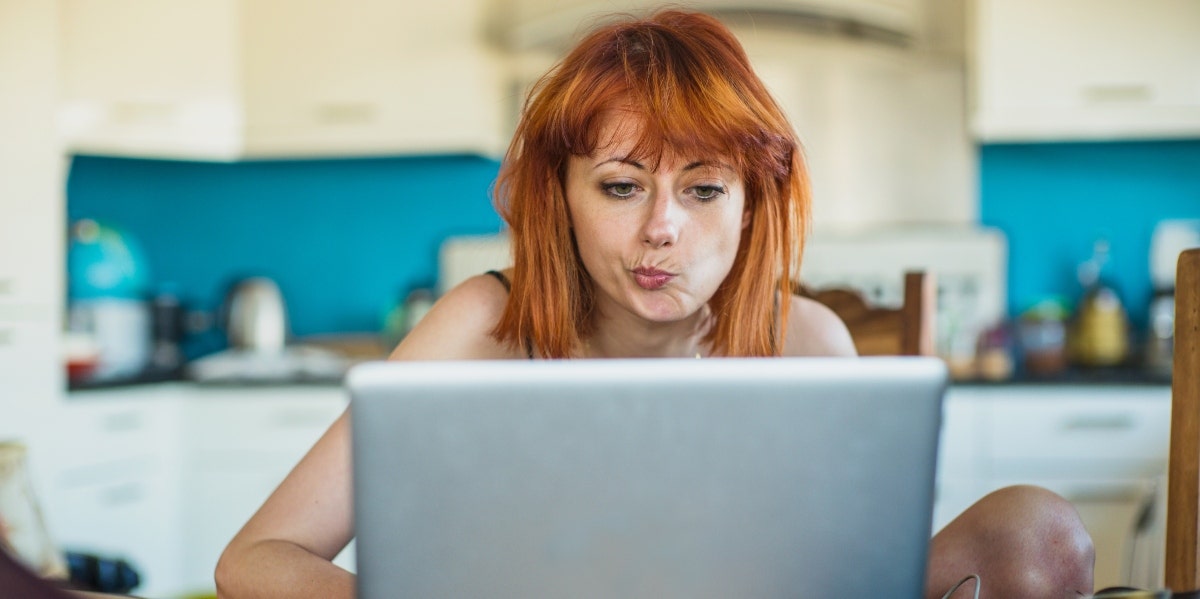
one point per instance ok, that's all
(970, 265)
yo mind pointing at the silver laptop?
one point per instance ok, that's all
(746, 478)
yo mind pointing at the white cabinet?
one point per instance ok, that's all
(1102, 448)
(1085, 69)
(883, 127)
(165, 475)
(31, 222)
(230, 79)
(239, 445)
(114, 484)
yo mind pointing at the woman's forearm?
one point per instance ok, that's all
(273, 568)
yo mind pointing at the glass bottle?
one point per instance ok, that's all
(1100, 329)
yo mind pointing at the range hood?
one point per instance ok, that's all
(521, 25)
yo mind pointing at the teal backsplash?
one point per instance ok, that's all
(1054, 200)
(346, 238)
(343, 238)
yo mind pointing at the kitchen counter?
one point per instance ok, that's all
(1126, 377)
(1122, 376)
(146, 381)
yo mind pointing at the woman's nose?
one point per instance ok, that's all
(661, 227)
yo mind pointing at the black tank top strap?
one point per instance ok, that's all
(503, 279)
(508, 287)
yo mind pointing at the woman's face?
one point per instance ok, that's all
(657, 243)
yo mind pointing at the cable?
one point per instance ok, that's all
(978, 583)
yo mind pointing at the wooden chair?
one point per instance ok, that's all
(1183, 472)
(906, 331)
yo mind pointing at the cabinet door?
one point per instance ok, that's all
(129, 515)
(147, 78)
(370, 76)
(959, 458)
(1101, 448)
(868, 116)
(1078, 69)
(231, 79)
(31, 166)
(1110, 433)
(238, 445)
(114, 483)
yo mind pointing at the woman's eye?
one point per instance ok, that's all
(620, 190)
(707, 192)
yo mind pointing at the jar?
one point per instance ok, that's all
(1042, 337)
(22, 531)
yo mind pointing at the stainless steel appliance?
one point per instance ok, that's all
(255, 317)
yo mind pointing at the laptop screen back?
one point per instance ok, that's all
(746, 478)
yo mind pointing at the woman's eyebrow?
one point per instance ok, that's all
(622, 160)
(703, 163)
(691, 166)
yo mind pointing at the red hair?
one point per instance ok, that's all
(689, 80)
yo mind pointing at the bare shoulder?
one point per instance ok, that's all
(814, 330)
(459, 325)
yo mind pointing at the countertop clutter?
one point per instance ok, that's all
(115, 336)
(320, 360)
(1092, 337)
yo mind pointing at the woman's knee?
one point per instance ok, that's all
(1024, 540)
(1041, 532)
(1038, 513)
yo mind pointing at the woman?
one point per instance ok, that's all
(654, 193)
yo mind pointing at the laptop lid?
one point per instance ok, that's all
(746, 478)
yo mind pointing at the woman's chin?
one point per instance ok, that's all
(663, 310)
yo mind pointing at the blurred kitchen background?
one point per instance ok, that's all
(210, 208)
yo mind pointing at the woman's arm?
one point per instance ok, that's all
(286, 548)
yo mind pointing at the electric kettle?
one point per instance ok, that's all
(254, 316)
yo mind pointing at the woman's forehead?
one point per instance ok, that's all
(622, 135)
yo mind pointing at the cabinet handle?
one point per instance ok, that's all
(301, 419)
(1099, 422)
(146, 113)
(1117, 94)
(121, 494)
(6, 286)
(346, 113)
(6, 337)
(122, 421)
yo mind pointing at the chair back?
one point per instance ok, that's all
(905, 331)
(1182, 568)
(18, 581)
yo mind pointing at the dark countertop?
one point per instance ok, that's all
(1120, 376)
(154, 379)
(142, 379)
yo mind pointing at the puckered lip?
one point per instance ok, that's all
(650, 271)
